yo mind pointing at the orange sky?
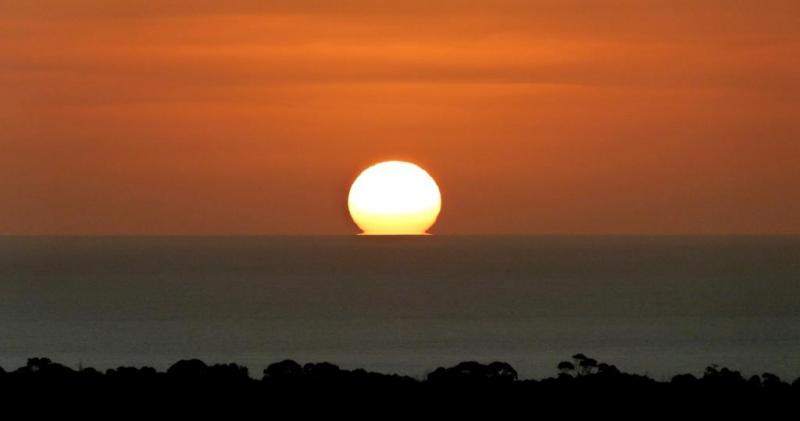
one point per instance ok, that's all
(253, 117)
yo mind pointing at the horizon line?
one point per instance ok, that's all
(360, 235)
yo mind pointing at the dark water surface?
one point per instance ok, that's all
(659, 305)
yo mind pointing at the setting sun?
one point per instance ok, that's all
(394, 198)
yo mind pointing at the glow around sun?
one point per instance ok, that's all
(394, 198)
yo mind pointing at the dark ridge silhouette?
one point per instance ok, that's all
(467, 386)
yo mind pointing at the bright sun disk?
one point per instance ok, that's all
(394, 198)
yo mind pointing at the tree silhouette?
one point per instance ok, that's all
(594, 384)
(582, 365)
(283, 371)
(192, 370)
(566, 368)
(473, 372)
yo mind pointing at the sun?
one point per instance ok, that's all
(394, 198)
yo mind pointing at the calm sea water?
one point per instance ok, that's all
(405, 304)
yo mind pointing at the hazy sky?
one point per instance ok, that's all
(253, 117)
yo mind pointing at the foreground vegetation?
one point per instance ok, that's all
(581, 381)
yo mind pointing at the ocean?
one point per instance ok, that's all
(654, 305)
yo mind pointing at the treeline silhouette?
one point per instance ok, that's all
(580, 380)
